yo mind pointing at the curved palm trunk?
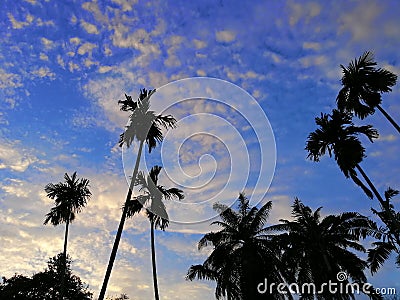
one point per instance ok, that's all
(393, 122)
(64, 266)
(121, 226)
(153, 261)
(371, 185)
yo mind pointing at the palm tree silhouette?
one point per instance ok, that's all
(337, 135)
(156, 212)
(244, 253)
(391, 233)
(144, 126)
(317, 249)
(70, 197)
(362, 87)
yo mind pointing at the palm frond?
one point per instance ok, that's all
(200, 272)
(379, 254)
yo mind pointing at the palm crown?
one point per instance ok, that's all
(243, 252)
(338, 136)
(144, 124)
(363, 85)
(318, 248)
(70, 197)
(152, 196)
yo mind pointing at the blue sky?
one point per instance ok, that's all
(64, 64)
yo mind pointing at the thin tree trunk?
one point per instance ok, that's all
(153, 261)
(64, 263)
(393, 122)
(121, 226)
(374, 190)
(383, 203)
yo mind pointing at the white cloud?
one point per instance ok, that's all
(387, 138)
(105, 69)
(107, 50)
(305, 11)
(14, 157)
(312, 45)
(47, 43)
(9, 80)
(88, 63)
(73, 66)
(199, 44)
(363, 27)
(74, 19)
(86, 48)
(125, 4)
(201, 73)
(90, 28)
(40, 22)
(139, 40)
(60, 61)
(75, 40)
(44, 72)
(20, 24)
(43, 56)
(225, 36)
(313, 60)
(94, 8)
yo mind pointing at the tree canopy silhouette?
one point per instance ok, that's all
(244, 253)
(363, 85)
(46, 285)
(316, 249)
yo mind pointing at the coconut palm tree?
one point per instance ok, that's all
(155, 210)
(244, 254)
(145, 127)
(338, 136)
(70, 197)
(363, 84)
(390, 233)
(318, 249)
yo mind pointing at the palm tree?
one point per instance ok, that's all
(144, 126)
(391, 234)
(318, 249)
(244, 253)
(362, 88)
(338, 136)
(70, 197)
(156, 211)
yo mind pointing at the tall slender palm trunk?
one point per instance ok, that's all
(371, 185)
(153, 261)
(393, 122)
(121, 225)
(64, 262)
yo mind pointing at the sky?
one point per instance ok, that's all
(273, 66)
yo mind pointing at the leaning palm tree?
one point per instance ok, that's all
(155, 210)
(318, 249)
(338, 136)
(390, 234)
(70, 197)
(362, 88)
(144, 126)
(244, 254)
